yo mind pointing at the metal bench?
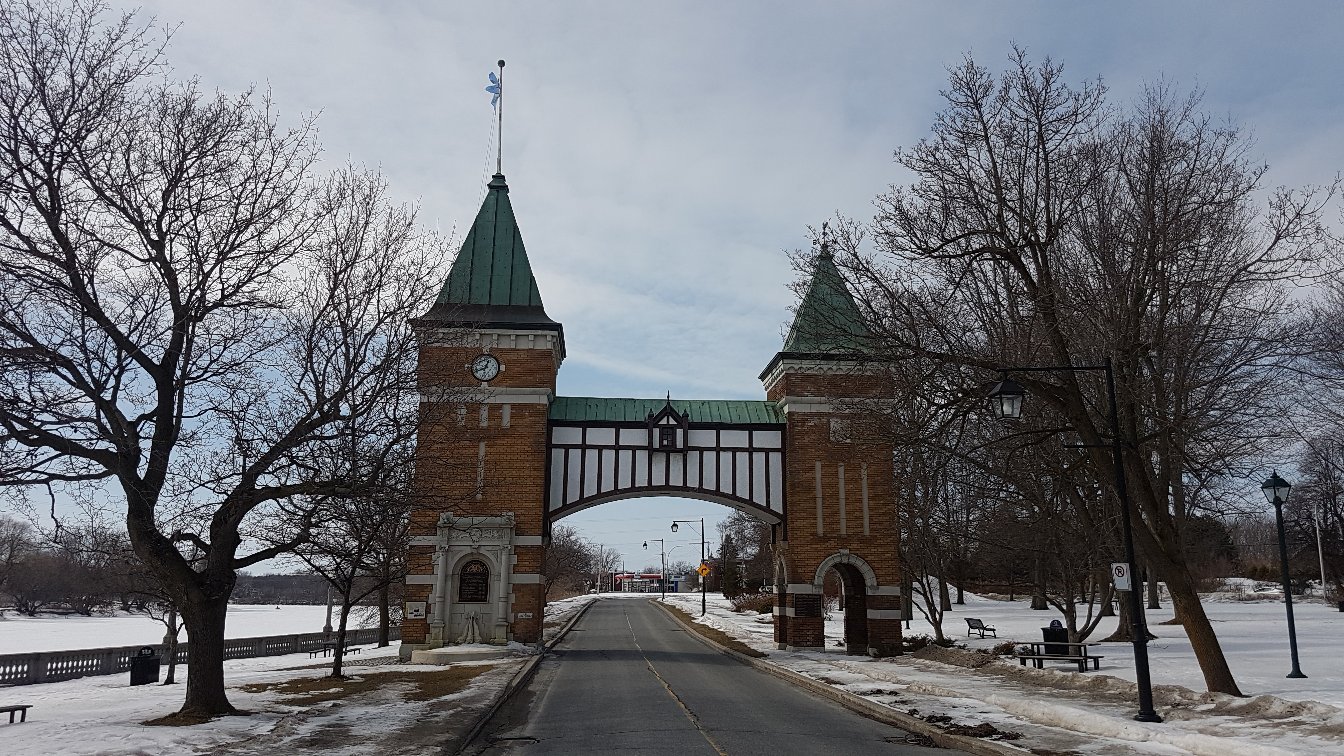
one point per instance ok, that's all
(978, 626)
(20, 709)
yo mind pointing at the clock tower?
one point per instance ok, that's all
(489, 356)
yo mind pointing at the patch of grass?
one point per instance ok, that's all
(715, 634)
(420, 686)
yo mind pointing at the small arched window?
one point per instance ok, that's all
(473, 583)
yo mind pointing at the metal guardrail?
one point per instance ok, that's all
(54, 666)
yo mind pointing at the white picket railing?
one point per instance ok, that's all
(54, 666)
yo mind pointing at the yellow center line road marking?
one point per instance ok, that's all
(695, 721)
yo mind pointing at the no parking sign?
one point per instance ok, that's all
(1120, 575)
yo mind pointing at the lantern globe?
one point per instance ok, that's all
(1275, 488)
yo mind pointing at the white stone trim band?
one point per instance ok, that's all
(885, 614)
(526, 540)
(885, 590)
(530, 578)
(806, 588)
(419, 580)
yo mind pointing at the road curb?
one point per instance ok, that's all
(863, 706)
(519, 679)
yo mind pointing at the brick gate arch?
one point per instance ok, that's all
(538, 457)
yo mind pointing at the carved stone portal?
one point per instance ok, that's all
(470, 599)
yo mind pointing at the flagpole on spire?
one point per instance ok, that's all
(499, 127)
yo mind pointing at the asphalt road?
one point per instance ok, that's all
(629, 680)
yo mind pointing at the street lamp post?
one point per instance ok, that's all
(662, 558)
(1276, 491)
(326, 629)
(1320, 555)
(1006, 401)
(704, 602)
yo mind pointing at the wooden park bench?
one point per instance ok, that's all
(978, 626)
(21, 709)
(1080, 656)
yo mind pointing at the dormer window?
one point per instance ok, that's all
(667, 430)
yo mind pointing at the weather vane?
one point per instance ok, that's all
(496, 88)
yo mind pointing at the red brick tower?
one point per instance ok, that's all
(488, 363)
(841, 511)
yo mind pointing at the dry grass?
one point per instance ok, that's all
(715, 634)
(420, 686)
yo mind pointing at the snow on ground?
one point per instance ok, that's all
(102, 716)
(51, 632)
(1064, 710)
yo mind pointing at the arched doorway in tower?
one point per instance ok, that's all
(844, 581)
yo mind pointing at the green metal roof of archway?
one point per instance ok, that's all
(718, 412)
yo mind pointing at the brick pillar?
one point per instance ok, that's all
(807, 626)
(529, 601)
(884, 624)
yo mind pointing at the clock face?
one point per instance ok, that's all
(485, 367)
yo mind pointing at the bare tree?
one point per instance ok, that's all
(1044, 228)
(566, 564)
(186, 314)
(16, 543)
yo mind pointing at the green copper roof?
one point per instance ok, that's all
(828, 320)
(492, 266)
(490, 284)
(589, 409)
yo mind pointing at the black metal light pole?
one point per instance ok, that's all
(662, 558)
(1276, 491)
(704, 602)
(1006, 401)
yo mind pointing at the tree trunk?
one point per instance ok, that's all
(170, 642)
(1124, 624)
(961, 581)
(1153, 593)
(339, 651)
(384, 615)
(1038, 601)
(1217, 675)
(204, 619)
(944, 599)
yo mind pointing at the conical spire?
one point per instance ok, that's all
(491, 281)
(828, 320)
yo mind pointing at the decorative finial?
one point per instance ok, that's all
(825, 239)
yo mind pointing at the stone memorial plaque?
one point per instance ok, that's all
(473, 583)
(415, 609)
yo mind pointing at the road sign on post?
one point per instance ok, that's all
(1120, 575)
(703, 570)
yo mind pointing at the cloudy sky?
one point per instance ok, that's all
(663, 157)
